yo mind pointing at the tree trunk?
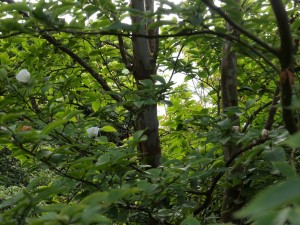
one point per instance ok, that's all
(232, 199)
(144, 65)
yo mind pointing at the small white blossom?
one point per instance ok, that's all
(3, 128)
(265, 133)
(125, 71)
(92, 132)
(23, 76)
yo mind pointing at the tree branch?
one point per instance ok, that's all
(209, 192)
(81, 62)
(240, 28)
(254, 114)
(286, 58)
(273, 109)
(54, 168)
(286, 40)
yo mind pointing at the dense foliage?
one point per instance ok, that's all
(72, 151)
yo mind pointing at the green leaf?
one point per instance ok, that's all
(120, 26)
(139, 104)
(284, 168)
(250, 103)
(17, 6)
(160, 23)
(9, 117)
(4, 59)
(159, 78)
(225, 124)
(190, 221)
(72, 114)
(51, 126)
(108, 129)
(137, 135)
(96, 105)
(96, 198)
(117, 194)
(293, 141)
(286, 192)
(43, 153)
(147, 83)
(275, 154)
(3, 73)
(224, 140)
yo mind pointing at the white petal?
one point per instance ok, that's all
(92, 132)
(125, 71)
(23, 76)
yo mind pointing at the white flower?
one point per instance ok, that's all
(125, 71)
(264, 133)
(92, 132)
(236, 128)
(23, 76)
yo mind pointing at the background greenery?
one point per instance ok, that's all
(53, 173)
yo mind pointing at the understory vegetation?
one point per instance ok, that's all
(149, 112)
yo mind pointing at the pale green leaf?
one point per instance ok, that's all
(96, 106)
(108, 129)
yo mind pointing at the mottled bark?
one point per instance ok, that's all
(150, 149)
(144, 65)
(232, 197)
(229, 91)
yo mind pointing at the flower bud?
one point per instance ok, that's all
(125, 71)
(264, 133)
(23, 76)
(92, 132)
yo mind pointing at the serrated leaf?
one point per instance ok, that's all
(108, 129)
